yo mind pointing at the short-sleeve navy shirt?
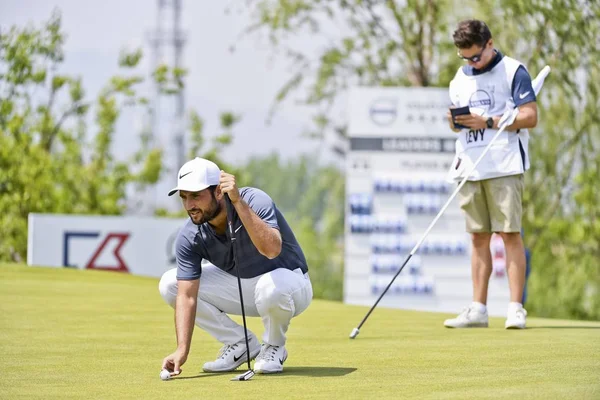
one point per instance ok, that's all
(197, 242)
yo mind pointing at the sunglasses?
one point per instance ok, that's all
(476, 58)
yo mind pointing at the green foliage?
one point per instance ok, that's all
(390, 43)
(379, 43)
(311, 198)
(48, 162)
(51, 160)
(228, 121)
(45, 166)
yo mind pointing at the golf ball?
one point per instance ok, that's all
(165, 375)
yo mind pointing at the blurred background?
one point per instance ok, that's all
(101, 102)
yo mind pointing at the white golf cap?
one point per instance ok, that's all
(197, 175)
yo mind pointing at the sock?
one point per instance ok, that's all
(480, 307)
(514, 306)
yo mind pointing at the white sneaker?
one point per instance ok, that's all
(516, 319)
(232, 356)
(270, 360)
(468, 318)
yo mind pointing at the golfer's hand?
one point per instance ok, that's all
(451, 122)
(473, 121)
(173, 362)
(228, 186)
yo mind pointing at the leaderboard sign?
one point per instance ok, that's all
(400, 150)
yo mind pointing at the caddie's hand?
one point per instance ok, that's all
(473, 121)
(173, 362)
(228, 186)
(451, 122)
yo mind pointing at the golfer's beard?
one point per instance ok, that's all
(210, 214)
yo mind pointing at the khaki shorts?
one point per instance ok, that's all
(493, 205)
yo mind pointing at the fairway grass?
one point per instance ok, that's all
(100, 335)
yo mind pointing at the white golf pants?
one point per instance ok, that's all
(276, 297)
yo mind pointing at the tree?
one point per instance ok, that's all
(45, 167)
(388, 43)
(49, 160)
(379, 43)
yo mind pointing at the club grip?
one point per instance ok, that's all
(538, 81)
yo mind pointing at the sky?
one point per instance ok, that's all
(244, 81)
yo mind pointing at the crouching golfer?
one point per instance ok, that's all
(204, 288)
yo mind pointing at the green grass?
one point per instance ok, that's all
(87, 334)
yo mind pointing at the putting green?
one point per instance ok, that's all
(88, 334)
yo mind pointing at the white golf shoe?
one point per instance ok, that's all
(516, 319)
(270, 360)
(232, 356)
(468, 318)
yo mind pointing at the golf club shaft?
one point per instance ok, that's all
(230, 210)
(437, 217)
(384, 291)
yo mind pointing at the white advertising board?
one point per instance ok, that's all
(136, 245)
(398, 112)
(400, 151)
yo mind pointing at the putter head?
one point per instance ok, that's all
(246, 376)
(354, 333)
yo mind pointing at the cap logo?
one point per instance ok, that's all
(182, 175)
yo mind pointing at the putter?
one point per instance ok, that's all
(507, 118)
(246, 376)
